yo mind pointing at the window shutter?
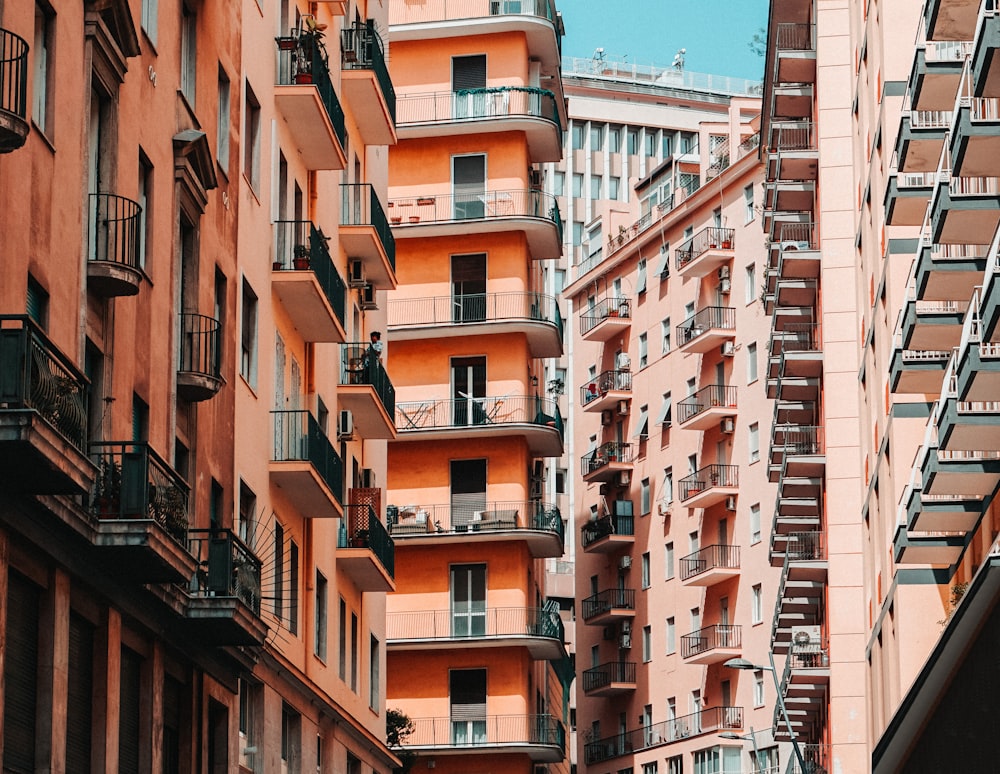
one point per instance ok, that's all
(468, 72)
(79, 694)
(129, 708)
(20, 670)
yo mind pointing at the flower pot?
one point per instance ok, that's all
(300, 264)
(277, 265)
(396, 219)
(727, 245)
(425, 201)
(303, 78)
(414, 219)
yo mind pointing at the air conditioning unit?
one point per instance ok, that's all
(345, 425)
(356, 273)
(731, 503)
(535, 179)
(792, 244)
(368, 297)
(625, 641)
(625, 562)
(663, 508)
(624, 478)
(607, 417)
(626, 627)
(728, 349)
(806, 638)
(723, 272)
(725, 285)
(623, 408)
(727, 425)
(604, 490)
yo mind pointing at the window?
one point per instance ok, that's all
(649, 768)
(374, 680)
(748, 203)
(664, 418)
(645, 570)
(150, 21)
(293, 587)
(189, 54)
(354, 651)
(640, 278)
(248, 514)
(758, 688)
(596, 137)
(671, 636)
(558, 183)
(664, 268)
(20, 673)
(248, 336)
(753, 440)
(251, 139)
(633, 142)
(291, 738)
(667, 144)
(467, 696)
(37, 303)
(668, 485)
(675, 764)
(469, 186)
(145, 234)
(342, 644)
(757, 604)
(643, 351)
(614, 183)
(717, 217)
(647, 644)
(649, 142)
(595, 186)
(222, 131)
(577, 136)
(754, 523)
(751, 362)
(577, 225)
(665, 335)
(42, 77)
(279, 572)
(249, 711)
(614, 138)
(668, 561)
(644, 502)
(577, 186)
(689, 142)
(750, 284)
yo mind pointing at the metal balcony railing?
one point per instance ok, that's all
(816, 757)
(456, 10)
(710, 396)
(360, 365)
(477, 621)
(707, 721)
(34, 374)
(709, 638)
(710, 238)
(604, 309)
(491, 102)
(200, 346)
(112, 229)
(605, 674)
(226, 567)
(720, 317)
(134, 482)
(609, 524)
(364, 530)
(361, 48)
(485, 516)
(712, 557)
(300, 246)
(298, 437)
(481, 205)
(792, 36)
(465, 730)
(608, 600)
(794, 236)
(476, 411)
(475, 308)
(797, 337)
(805, 547)
(13, 74)
(798, 439)
(606, 453)
(303, 59)
(606, 381)
(708, 477)
(793, 136)
(360, 206)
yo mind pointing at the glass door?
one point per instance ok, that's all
(468, 600)
(467, 690)
(468, 288)
(468, 377)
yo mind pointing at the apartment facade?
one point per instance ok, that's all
(476, 653)
(195, 557)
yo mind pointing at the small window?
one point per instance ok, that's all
(647, 644)
(248, 336)
(640, 279)
(751, 362)
(644, 502)
(189, 54)
(645, 570)
(750, 284)
(577, 135)
(150, 19)
(558, 183)
(37, 303)
(755, 523)
(614, 138)
(668, 562)
(671, 636)
(665, 335)
(756, 605)
(251, 139)
(665, 419)
(596, 137)
(222, 129)
(748, 212)
(614, 184)
(643, 350)
(577, 185)
(595, 186)
(753, 440)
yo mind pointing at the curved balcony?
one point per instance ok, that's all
(712, 644)
(609, 679)
(199, 371)
(710, 407)
(141, 506)
(541, 737)
(609, 606)
(708, 721)
(536, 213)
(709, 485)
(710, 565)
(366, 84)
(539, 630)
(607, 318)
(474, 314)
(365, 551)
(540, 524)
(14, 91)
(306, 282)
(113, 224)
(365, 390)
(705, 252)
(609, 460)
(526, 109)
(536, 419)
(305, 466)
(43, 419)
(707, 329)
(603, 392)
(366, 235)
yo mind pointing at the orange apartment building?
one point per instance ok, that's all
(671, 381)
(476, 654)
(195, 249)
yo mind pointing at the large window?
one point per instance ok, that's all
(467, 692)
(469, 186)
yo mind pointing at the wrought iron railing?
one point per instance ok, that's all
(300, 246)
(604, 675)
(200, 346)
(455, 10)
(467, 730)
(13, 74)
(614, 523)
(361, 48)
(484, 622)
(476, 411)
(797, 439)
(805, 547)
(470, 308)
(479, 205)
(605, 454)
(303, 59)
(710, 638)
(364, 530)
(711, 238)
(816, 758)
(604, 309)
(134, 482)
(790, 237)
(484, 516)
(711, 317)
(226, 567)
(711, 396)
(706, 721)
(298, 437)
(605, 601)
(359, 364)
(714, 557)
(113, 229)
(360, 206)
(796, 337)
(489, 102)
(606, 381)
(708, 477)
(34, 374)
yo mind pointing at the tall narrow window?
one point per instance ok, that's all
(248, 514)
(189, 54)
(321, 615)
(668, 561)
(293, 587)
(468, 81)
(750, 284)
(37, 303)
(150, 20)
(467, 692)
(374, 677)
(468, 600)
(342, 641)
(145, 213)
(354, 651)
(470, 404)
(469, 186)
(753, 442)
(468, 288)
(248, 336)
(222, 132)
(251, 139)
(129, 711)
(249, 709)
(671, 636)
(751, 362)
(754, 523)
(41, 80)
(279, 572)
(20, 672)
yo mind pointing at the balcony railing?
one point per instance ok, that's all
(35, 375)
(481, 621)
(710, 638)
(300, 246)
(816, 757)
(722, 317)
(467, 730)
(606, 674)
(478, 412)
(793, 136)
(708, 477)
(602, 310)
(606, 453)
(298, 437)
(805, 547)
(798, 439)
(795, 236)
(715, 557)
(457, 10)
(112, 229)
(482, 205)
(13, 89)
(364, 530)
(360, 206)
(792, 36)
(200, 346)
(486, 516)
(712, 238)
(797, 337)
(707, 721)
(134, 482)
(711, 396)
(360, 365)
(361, 48)
(605, 382)
(490, 102)
(615, 523)
(304, 60)
(475, 308)
(608, 600)
(226, 567)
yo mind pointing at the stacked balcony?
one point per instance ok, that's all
(797, 451)
(610, 532)
(712, 406)
(606, 391)
(710, 565)
(610, 606)
(801, 590)
(709, 485)
(366, 84)
(305, 466)
(707, 329)
(541, 738)
(608, 318)
(366, 391)
(609, 461)
(113, 237)
(199, 368)
(366, 236)
(705, 252)
(610, 679)
(793, 70)
(366, 551)
(712, 644)
(14, 94)
(710, 720)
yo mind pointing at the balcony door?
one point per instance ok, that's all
(467, 691)
(469, 186)
(468, 379)
(468, 79)
(468, 287)
(468, 493)
(468, 600)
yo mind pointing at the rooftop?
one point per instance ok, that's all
(610, 69)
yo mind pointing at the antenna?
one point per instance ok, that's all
(679, 60)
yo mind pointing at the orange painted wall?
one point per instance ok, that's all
(426, 65)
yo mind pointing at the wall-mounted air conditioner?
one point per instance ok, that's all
(356, 273)
(625, 562)
(368, 297)
(731, 503)
(623, 408)
(345, 425)
(728, 349)
(727, 425)
(725, 285)
(723, 272)
(625, 641)
(806, 638)
(607, 417)
(624, 478)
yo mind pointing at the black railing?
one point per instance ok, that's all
(711, 317)
(707, 721)
(604, 675)
(796, 337)
(604, 309)
(13, 78)
(134, 482)
(490, 102)
(790, 237)
(113, 229)
(620, 521)
(475, 622)
(360, 206)
(35, 375)
(605, 454)
(303, 59)
(792, 36)
(793, 136)
(708, 477)
(714, 557)
(805, 547)
(485, 516)
(467, 308)
(608, 600)
(466, 730)
(711, 396)
(479, 205)
(300, 246)
(364, 530)
(200, 345)
(606, 381)
(815, 756)
(359, 364)
(454, 10)
(226, 567)
(798, 439)
(710, 638)
(361, 48)
(711, 238)
(298, 437)
(476, 411)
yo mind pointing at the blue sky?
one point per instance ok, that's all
(716, 33)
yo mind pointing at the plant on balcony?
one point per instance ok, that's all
(957, 592)
(170, 510)
(300, 257)
(108, 488)
(309, 47)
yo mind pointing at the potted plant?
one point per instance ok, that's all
(425, 200)
(300, 259)
(277, 265)
(309, 49)
(108, 488)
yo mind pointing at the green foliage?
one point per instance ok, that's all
(398, 728)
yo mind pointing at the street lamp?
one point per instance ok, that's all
(744, 737)
(742, 663)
